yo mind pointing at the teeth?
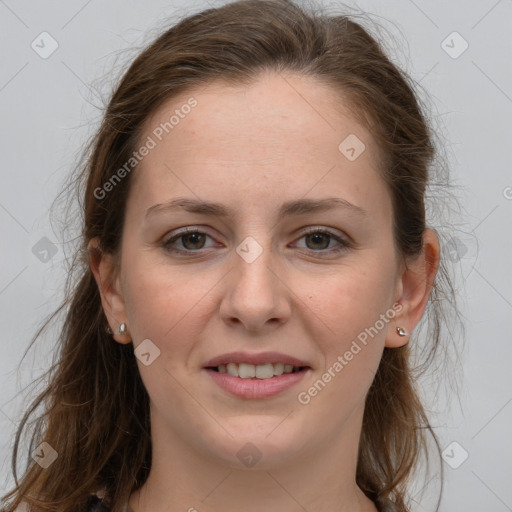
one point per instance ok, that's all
(246, 371)
(250, 371)
(278, 368)
(232, 369)
(264, 371)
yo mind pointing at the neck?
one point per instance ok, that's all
(182, 478)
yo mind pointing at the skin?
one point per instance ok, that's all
(253, 148)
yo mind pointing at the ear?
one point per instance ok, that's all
(105, 269)
(414, 289)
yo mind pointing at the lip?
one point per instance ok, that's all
(254, 358)
(256, 388)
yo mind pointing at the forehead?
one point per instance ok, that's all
(281, 135)
(276, 109)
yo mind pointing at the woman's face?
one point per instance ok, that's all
(251, 280)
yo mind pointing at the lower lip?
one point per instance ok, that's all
(256, 388)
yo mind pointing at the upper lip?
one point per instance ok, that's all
(253, 358)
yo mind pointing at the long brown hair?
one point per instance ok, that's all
(95, 407)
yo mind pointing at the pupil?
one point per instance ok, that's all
(317, 236)
(196, 238)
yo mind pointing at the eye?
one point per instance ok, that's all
(191, 240)
(318, 240)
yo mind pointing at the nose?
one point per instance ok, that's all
(256, 297)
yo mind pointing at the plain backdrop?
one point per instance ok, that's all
(459, 52)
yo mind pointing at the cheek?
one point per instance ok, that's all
(161, 302)
(356, 306)
(352, 298)
(350, 358)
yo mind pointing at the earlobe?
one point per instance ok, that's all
(415, 287)
(104, 268)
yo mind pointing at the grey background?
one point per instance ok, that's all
(47, 111)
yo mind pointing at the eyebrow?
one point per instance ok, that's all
(297, 207)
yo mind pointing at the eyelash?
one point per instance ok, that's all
(343, 244)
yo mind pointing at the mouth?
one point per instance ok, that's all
(259, 371)
(256, 381)
(256, 375)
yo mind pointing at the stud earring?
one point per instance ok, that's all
(108, 329)
(401, 332)
(122, 329)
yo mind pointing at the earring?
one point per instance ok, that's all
(401, 332)
(122, 329)
(108, 329)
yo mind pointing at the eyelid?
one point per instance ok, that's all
(185, 230)
(322, 229)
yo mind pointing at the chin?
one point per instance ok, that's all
(256, 445)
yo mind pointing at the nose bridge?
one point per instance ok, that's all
(255, 294)
(255, 258)
(253, 262)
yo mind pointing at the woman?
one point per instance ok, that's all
(255, 260)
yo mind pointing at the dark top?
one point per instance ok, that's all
(97, 504)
